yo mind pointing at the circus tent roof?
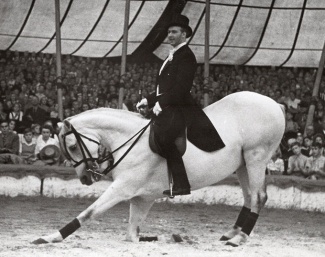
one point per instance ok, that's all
(242, 32)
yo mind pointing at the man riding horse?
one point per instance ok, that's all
(175, 110)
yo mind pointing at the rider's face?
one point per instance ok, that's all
(176, 35)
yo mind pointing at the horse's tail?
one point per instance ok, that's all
(283, 143)
(283, 108)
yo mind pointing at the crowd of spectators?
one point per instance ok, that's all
(29, 109)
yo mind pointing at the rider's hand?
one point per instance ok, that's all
(143, 103)
(157, 109)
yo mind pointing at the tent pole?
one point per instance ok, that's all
(310, 117)
(206, 53)
(58, 58)
(124, 50)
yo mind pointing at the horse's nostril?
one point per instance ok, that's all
(85, 180)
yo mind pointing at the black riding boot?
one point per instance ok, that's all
(176, 166)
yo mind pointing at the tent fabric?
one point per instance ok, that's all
(242, 32)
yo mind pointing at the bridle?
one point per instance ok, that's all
(94, 167)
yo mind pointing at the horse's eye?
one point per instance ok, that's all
(73, 147)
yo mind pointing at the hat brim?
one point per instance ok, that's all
(51, 159)
(188, 29)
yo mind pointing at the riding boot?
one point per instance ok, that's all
(176, 166)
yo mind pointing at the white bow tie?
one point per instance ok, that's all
(171, 54)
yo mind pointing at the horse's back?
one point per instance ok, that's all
(247, 118)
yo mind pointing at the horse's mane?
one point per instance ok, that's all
(113, 112)
(96, 118)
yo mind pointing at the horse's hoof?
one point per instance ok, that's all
(231, 244)
(177, 238)
(237, 240)
(148, 238)
(224, 238)
(39, 241)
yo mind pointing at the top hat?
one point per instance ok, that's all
(181, 21)
(50, 154)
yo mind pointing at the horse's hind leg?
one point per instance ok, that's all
(256, 163)
(244, 183)
(139, 208)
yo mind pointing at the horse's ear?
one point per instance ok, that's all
(67, 124)
(60, 126)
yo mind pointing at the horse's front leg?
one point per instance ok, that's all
(114, 194)
(139, 208)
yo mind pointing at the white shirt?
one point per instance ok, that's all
(293, 103)
(41, 143)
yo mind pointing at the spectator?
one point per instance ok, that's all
(53, 124)
(17, 115)
(291, 125)
(36, 130)
(43, 104)
(310, 131)
(9, 145)
(293, 103)
(85, 107)
(306, 146)
(44, 140)
(315, 163)
(297, 162)
(300, 138)
(27, 146)
(67, 113)
(12, 126)
(35, 114)
(276, 164)
(3, 114)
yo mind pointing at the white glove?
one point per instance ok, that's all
(157, 109)
(142, 103)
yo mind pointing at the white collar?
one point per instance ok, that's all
(178, 46)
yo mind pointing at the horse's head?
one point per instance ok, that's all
(82, 149)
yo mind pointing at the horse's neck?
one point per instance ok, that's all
(114, 127)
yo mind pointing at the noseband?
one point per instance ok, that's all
(93, 168)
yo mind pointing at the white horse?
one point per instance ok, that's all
(251, 126)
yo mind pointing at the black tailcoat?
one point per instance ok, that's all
(175, 83)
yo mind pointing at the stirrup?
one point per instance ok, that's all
(171, 185)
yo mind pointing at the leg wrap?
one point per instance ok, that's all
(70, 228)
(242, 216)
(250, 223)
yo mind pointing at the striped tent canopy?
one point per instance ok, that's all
(242, 32)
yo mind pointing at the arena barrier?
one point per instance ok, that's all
(285, 192)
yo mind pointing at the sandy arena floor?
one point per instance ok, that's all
(278, 232)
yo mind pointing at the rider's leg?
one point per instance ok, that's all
(176, 166)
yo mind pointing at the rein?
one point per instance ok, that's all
(95, 161)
